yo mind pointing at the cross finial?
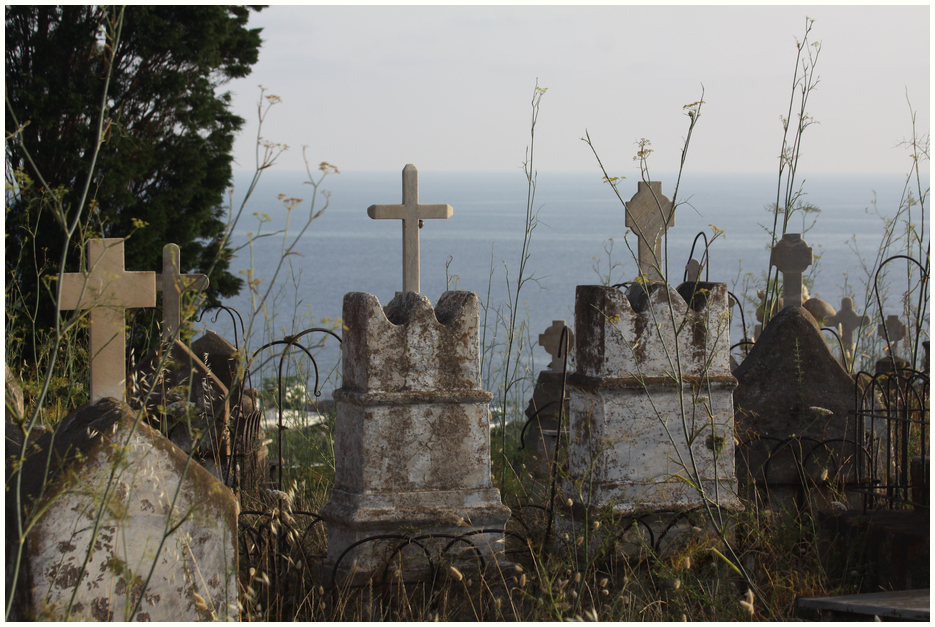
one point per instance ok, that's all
(172, 283)
(849, 320)
(792, 256)
(649, 215)
(551, 341)
(892, 331)
(108, 290)
(411, 213)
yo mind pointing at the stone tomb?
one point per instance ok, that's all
(794, 413)
(107, 466)
(412, 442)
(629, 438)
(544, 411)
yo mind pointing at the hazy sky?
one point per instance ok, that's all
(449, 88)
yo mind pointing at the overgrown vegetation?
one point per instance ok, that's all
(738, 566)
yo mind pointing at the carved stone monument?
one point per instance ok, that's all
(650, 401)
(649, 215)
(849, 321)
(172, 283)
(107, 289)
(544, 409)
(412, 443)
(792, 256)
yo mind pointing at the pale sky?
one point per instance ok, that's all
(448, 88)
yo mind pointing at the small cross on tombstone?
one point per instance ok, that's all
(412, 214)
(792, 256)
(649, 215)
(172, 283)
(693, 271)
(849, 321)
(551, 341)
(892, 331)
(108, 290)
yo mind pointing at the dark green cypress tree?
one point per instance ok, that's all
(166, 156)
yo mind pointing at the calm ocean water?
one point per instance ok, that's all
(345, 251)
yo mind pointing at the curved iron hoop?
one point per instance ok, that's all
(385, 536)
(834, 331)
(743, 318)
(230, 311)
(876, 293)
(678, 516)
(535, 414)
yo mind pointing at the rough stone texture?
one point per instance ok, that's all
(626, 427)
(791, 385)
(792, 256)
(189, 402)
(544, 412)
(103, 454)
(412, 442)
(15, 403)
(649, 216)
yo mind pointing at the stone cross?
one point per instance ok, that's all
(849, 321)
(649, 215)
(172, 283)
(693, 271)
(107, 290)
(895, 329)
(792, 256)
(412, 214)
(551, 340)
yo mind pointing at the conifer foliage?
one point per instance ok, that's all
(165, 160)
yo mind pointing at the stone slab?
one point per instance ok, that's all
(909, 605)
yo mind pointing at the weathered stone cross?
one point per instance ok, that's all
(649, 215)
(792, 256)
(172, 283)
(849, 321)
(551, 341)
(108, 290)
(412, 214)
(895, 329)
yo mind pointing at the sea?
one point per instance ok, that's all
(579, 238)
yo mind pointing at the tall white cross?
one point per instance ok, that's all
(649, 215)
(792, 256)
(412, 214)
(172, 283)
(108, 290)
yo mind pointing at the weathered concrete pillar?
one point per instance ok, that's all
(412, 442)
(650, 402)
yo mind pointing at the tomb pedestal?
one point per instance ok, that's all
(638, 428)
(412, 442)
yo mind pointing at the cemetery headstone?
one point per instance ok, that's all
(108, 290)
(412, 214)
(626, 430)
(892, 331)
(172, 283)
(794, 414)
(849, 321)
(649, 215)
(412, 441)
(792, 256)
(693, 271)
(545, 409)
(106, 466)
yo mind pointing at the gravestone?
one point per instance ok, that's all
(108, 290)
(114, 482)
(693, 271)
(794, 415)
(649, 215)
(412, 441)
(412, 214)
(629, 442)
(545, 409)
(172, 283)
(792, 256)
(188, 402)
(225, 361)
(849, 321)
(892, 331)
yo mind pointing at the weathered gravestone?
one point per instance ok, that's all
(794, 414)
(412, 214)
(172, 283)
(163, 530)
(792, 256)
(224, 360)
(412, 441)
(649, 215)
(545, 409)
(650, 400)
(107, 289)
(188, 401)
(849, 321)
